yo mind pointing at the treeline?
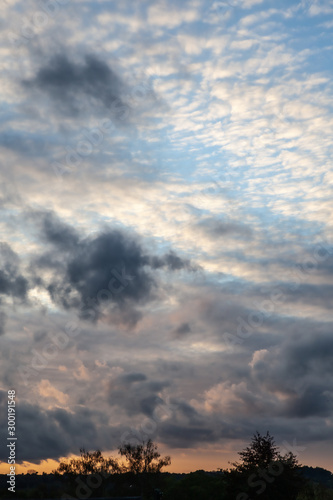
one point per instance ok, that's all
(262, 473)
(199, 485)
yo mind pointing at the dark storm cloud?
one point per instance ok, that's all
(12, 283)
(149, 404)
(184, 436)
(69, 84)
(108, 270)
(184, 409)
(312, 351)
(171, 261)
(314, 401)
(39, 434)
(297, 357)
(54, 231)
(55, 433)
(9, 260)
(99, 272)
(92, 270)
(135, 394)
(300, 368)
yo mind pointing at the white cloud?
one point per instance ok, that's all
(163, 15)
(48, 391)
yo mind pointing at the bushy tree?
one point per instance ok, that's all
(261, 452)
(144, 462)
(141, 467)
(263, 471)
(89, 463)
(143, 458)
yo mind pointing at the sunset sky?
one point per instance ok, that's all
(166, 256)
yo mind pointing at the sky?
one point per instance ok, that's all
(166, 255)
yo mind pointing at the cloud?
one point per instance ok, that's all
(3, 318)
(12, 283)
(30, 144)
(9, 259)
(169, 16)
(129, 378)
(230, 171)
(47, 390)
(182, 330)
(54, 231)
(135, 394)
(216, 228)
(315, 400)
(299, 373)
(172, 262)
(75, 85)
(107, 274)
(56, 432)
(184, 436)
(112, 262)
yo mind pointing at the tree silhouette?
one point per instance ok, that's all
(143, 458)
(141, 467)
(264, 471)
(261, 452)
(89, 463)
(144, 462)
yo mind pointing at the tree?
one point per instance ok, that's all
(89, 463)
(143, 458)
(261, 452)
(264, 471)
(144, 462)
(141, 468)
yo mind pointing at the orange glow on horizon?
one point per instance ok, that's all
(181, 461)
